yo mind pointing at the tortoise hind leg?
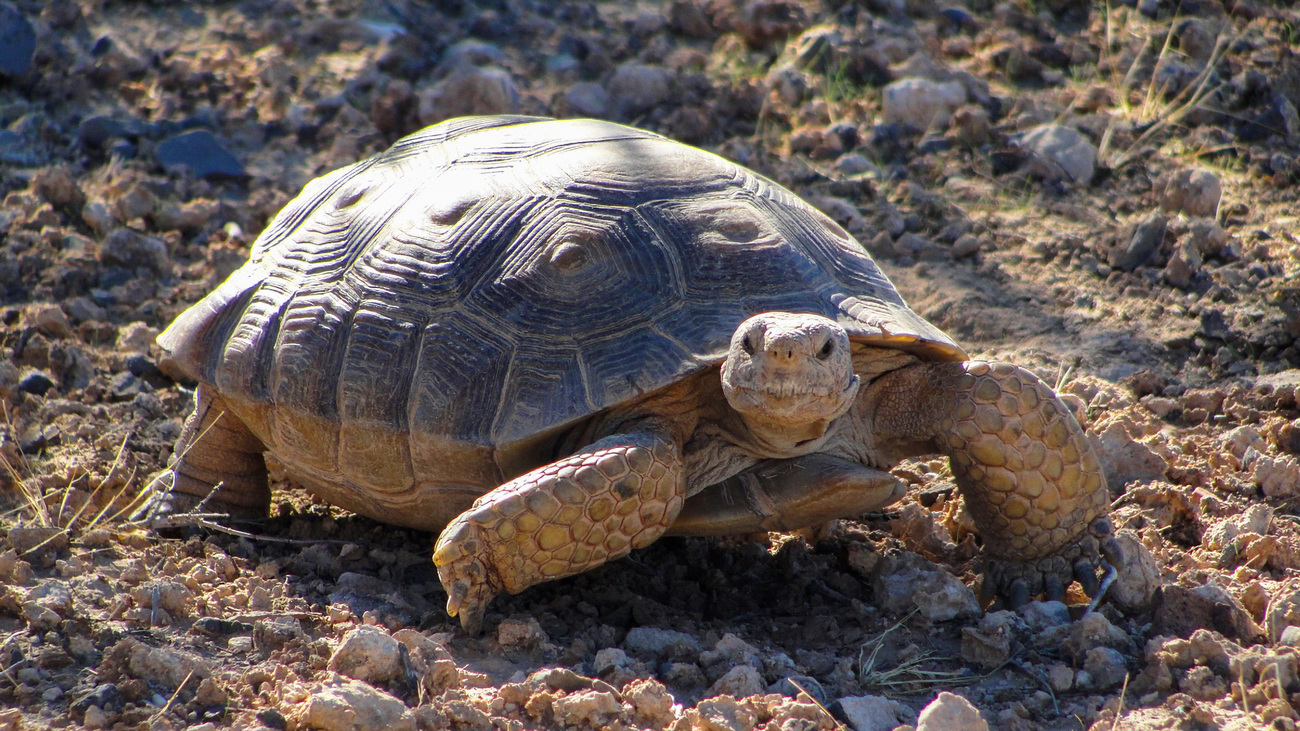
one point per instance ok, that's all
(1029, 476)
(786, 495)
(218, 466)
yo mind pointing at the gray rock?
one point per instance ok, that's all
(950, 712)
(965, 245)
(17, 41)
(275, 632)
(200, 151)
(637, 88)
(1060, 152)
(989, 644)
(655, 643)
(1044, 615)
(469, 52)
(1144, 242)
(1184, 264)
(131, 249)
(921, 103)
(587, 99)
(1106, 666)
(908, 581)
(851, 163)
(30, 539)
(795, 684)
(873, 712)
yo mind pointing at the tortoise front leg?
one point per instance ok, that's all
(786, 495)
(569, 516)
(1030, 478)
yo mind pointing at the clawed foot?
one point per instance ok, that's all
(470, 582)
(1016, 582)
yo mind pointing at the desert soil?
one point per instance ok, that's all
(1146, 265)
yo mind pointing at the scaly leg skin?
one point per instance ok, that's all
(1030, 478)
(218, 467)
(787, 495)
(569, 516)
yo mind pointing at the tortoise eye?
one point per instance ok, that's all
(826, 350)
(747, 345)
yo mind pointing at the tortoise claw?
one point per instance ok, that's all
(1017, 594)
(469, 582)
(1053, 588)
(1111, 551)
(1086, 574)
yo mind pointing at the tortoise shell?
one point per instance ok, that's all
(490, 280)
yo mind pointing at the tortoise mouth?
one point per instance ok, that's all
(792, 402)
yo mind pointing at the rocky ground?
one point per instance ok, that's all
(1106, 196)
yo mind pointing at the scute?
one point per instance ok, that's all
(487, 280)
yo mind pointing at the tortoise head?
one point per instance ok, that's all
(789, 375)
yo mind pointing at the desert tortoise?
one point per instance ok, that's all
(561, 340)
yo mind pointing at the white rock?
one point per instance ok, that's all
(1194, 192)
(524, 634)
(921, 103)
(1255, 519)
(95, 718)
(586, 708)
(950, 712)
(1060, 152)
(344, 704)
(1137, 580)
(873, 712)
(368, 653)
(722, 714)
(469, 90)
(732, 650)
(167, 667)
(136, 337)
(1094, 630)
(1124, 459)
(652, 704)
(739, 682)
(1283, 610)
(610, 659)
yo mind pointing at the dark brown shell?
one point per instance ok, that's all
(487, 280)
